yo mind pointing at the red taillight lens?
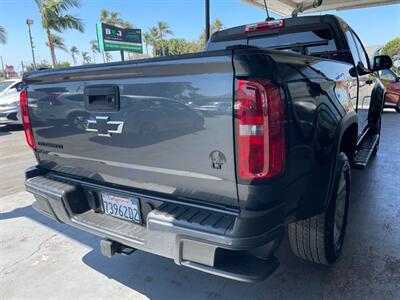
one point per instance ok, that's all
(260, 130)
(25, 118)
(268, 25)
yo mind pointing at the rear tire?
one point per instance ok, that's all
(320, 238)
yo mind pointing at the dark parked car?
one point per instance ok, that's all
(297, 108)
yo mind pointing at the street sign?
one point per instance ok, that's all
(113, 38)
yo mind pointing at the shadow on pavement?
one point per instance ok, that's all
(3, 133)
(31, 213)
(159, 278)
(8, 129)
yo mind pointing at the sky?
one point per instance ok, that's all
(375, 26)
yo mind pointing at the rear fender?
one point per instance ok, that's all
(377, 103)
(316, 200)
(345, 123)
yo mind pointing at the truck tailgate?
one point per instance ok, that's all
(162, 125)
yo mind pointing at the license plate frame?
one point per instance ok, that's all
(122, 207)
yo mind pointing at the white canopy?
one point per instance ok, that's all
(287, 7)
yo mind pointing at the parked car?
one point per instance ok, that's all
(297, 108)
(392, 84)
(9, 101)
(7, 86)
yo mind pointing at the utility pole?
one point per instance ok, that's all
(2, 67)
(29, 22)
(207, 17)
(23, 67)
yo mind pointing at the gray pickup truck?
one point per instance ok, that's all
(210, 158)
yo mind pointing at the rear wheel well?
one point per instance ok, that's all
(348, 142)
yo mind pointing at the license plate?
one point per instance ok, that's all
(121, 207)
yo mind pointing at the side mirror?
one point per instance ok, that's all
(382, 62)
(353, 72)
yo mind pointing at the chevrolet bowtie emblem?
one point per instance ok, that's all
(104, 127)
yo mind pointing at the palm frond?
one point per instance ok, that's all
(94, 46)
(69, 22)
(85, 57)
(154, 33)
(53, 14)
(104, 14)
(58, 42)
(108, 56)
(63, 5)
(74, 50)
(3, 35)
(164, 28)
(126, 24)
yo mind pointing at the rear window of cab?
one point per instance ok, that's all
(308, 42)
(305, 42)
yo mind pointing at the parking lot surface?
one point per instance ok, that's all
(42, 259)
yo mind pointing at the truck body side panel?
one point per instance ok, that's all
(317, 96)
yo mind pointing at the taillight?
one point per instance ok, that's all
(260, 130)
(25, 118)
(268, 25)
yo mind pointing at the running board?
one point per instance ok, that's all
(364, 154)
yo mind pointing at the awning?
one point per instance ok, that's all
(287, 7)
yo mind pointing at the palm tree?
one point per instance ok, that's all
(85, 57)
(126, 24)
(54, 17)
(108, 56)
(95, 49)
(153, 31)
(113, 18)
(74, 51)
(104, 14)
(110, 17)
(215, 26)
(163, 29)
(58, 42)
(147, 40)
(3, 35)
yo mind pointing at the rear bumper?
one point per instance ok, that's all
(214, 241)
(391, 105)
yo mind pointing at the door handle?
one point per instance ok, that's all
(102, 97)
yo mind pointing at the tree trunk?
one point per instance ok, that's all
(104, 58)
(147, 49)
(162, 44)
(94, 57)
(51, 46)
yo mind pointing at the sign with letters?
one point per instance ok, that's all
(114, 38)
